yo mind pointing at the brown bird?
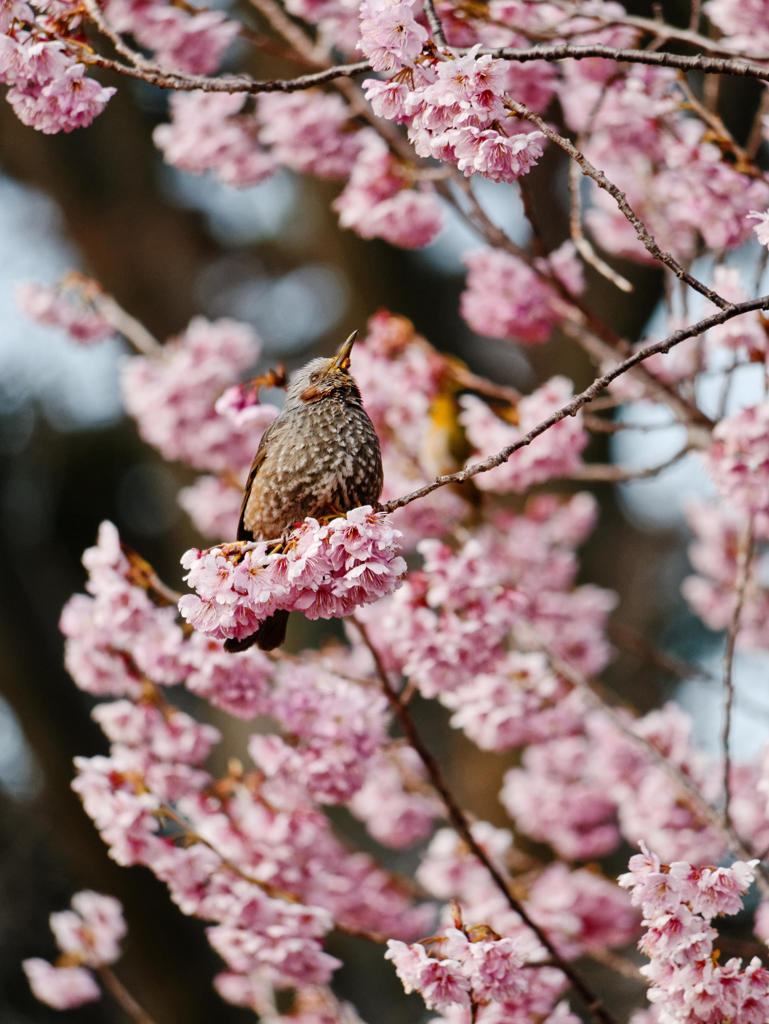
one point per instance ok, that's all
(320, 456)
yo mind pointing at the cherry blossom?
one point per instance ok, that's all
(184, 39)
(327, 570)
(377, 204)
(390, 36)
(63, 988)
(558, 454)
(506, 299)
(64, 308)
(760, 227)
(88, 936)
(173, 399)
(688, 983)
(49, 89)
(210, 132)
(309, 132)
(739, 459)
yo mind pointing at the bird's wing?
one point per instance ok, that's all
(261, 451)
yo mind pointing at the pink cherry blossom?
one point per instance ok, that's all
(687, 980)
(761, 227)
(173, 398)
(309, 131)
(440, 982)
(90, 933)
(495, 154)
(183, 39)
(209, 132)
(506, 299)
(743, 24)
(63, 988)
(394, 800)
(49, 88)
(377, 203)
(65, 308)
(390, 37)
(556, 453)
(213, 505)
(327, 570)
(718, 534)
(738, 459)
(335, 726)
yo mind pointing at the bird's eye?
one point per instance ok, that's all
(314, 377)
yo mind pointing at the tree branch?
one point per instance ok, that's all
(591, 171)
(744, 558)
(657, 58)
(123, 997)
(583, 398)
(462, 826)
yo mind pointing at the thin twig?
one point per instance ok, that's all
(291, 31)
(591, 171)
(599, 425)
(132, 329)
(621, 474)
(462, 826)
(123, 997)
(744, 558)
(581, 242)
(654, 26)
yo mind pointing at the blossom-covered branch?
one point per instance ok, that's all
(583, 398)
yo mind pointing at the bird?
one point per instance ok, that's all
(319, 457)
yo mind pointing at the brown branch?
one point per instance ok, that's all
(123, 997)
(581, 243)
(658, 58)
(643, 234)
(148, 72)
(583, 398)
(622, 474)
(744, 558)
(228, 83)
(462, 826)
(435, 23)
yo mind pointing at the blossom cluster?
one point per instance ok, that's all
(504, 298)
(181, 38)
(88, 936)
(719, 547)
(689, 984)
(454, 110)
(48, 86)
(487, 959)
(172, 397)
(64, 308)
(446, 628)
(252, 853)
(661, 159)
(325, 570)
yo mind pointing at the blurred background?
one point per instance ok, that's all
(168, 246)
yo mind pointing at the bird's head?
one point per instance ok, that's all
(323, 377)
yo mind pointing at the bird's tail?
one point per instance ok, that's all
(271, 634)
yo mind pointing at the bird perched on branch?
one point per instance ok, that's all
(320, 456)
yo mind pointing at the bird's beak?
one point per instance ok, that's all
(341, 360)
